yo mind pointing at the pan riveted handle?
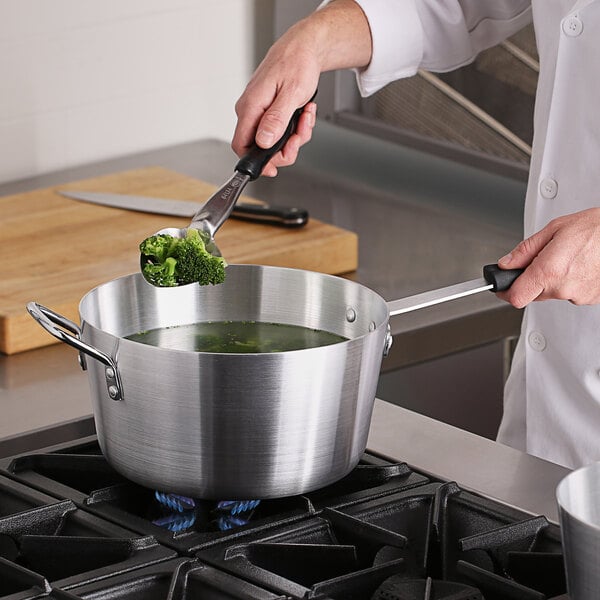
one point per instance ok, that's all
(70, 333)
(494, 279)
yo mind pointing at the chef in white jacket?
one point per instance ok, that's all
(552, 396)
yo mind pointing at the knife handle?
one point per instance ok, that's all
(254, 161)
(271, 215)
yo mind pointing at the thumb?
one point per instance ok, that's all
(274, 121)
(524, 253)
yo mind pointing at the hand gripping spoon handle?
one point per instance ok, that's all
(218, 207)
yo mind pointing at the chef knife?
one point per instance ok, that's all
(261, 213)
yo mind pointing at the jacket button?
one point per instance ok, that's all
(548, 188)
(537, 341)
(572, 26)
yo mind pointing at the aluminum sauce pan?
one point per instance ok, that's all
(235, 426)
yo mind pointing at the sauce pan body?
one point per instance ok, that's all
(234, 426)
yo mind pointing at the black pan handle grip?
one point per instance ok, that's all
(254, 161)
(501, 279)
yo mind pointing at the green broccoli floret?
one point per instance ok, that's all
(195, 263)
(159, 247)
(161, 274)
(178, 261)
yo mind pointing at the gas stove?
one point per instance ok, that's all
(71, 527)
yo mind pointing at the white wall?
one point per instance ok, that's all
(84, 80)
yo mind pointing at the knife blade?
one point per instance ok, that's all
(282, 216)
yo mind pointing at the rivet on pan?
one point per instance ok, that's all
(109, 373)
(372, 326)
(113, 391)
(350, 315)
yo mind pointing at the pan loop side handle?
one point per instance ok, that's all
(70, 333)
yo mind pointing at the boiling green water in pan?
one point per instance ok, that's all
(236, 337)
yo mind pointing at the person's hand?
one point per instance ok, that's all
(561, 261)
(285, 80)
(334, 37)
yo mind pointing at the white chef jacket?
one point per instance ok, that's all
(552, 396)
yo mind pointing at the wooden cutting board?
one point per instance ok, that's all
(56, 249)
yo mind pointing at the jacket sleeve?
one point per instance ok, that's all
(436, 35)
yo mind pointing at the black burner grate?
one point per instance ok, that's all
(180, 579)
(58, 544)
(400, 588)
(71, 528)
(428, 534)
(80, 473)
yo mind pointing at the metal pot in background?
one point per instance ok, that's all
(578, 497)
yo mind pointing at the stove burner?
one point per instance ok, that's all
(176, 522)
(175, 502)
(236, 513)
(237, 506)
(183, 512)
(77, 471)
(398, 588)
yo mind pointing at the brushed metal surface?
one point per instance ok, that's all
(236, 425)
(578, 497)
(478, 464)
(160, 206)
(433, 297)
(249, 211)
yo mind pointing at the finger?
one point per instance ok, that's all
(269, 170)
(527, 288)
(275, 119)
(306, 123)
(285, 157)
(525, 252)
(243, 136)
(538, 281)
(289, 153)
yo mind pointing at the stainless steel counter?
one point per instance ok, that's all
(422, 223)
(475, 463)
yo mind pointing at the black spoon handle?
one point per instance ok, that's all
(254, 161)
